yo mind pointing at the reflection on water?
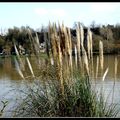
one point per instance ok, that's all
(11, 82)
(10, 79)
(109, 61)
(8, 67)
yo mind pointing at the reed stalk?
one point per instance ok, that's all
(30, 67)
(81, 35)
(57, 54)
(97, 66)
(88, 45)
(18, 69)
(101, 58)
(116, 64)
(70, 47)
(105, 73)
(19, 58)
(53, 43)
(78, 33)
(62, 39)
(75, 56)
(91, 44)
(90, 50)
(85, 60)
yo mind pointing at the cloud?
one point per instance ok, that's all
(99, 12)
(50, 12)
(103, 7)
(41, 11)
(59, 12)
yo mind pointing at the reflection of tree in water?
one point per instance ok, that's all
(7, 68)
(1, 67)
(1, 63)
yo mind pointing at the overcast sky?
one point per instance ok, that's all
(35, 14)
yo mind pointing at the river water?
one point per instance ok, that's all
(11, 81)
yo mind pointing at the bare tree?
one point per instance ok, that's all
(93, 25)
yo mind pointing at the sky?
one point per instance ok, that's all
(36, 14)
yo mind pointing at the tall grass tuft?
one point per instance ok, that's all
(45, 100)
(64, 92)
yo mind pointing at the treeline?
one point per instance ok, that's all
(21, 37)
(109, 34)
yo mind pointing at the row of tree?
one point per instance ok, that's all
(109, 34)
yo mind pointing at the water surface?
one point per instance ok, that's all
(11, 81)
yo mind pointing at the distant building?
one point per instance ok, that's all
(21, 50)
(6, 51)
(42, 47)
